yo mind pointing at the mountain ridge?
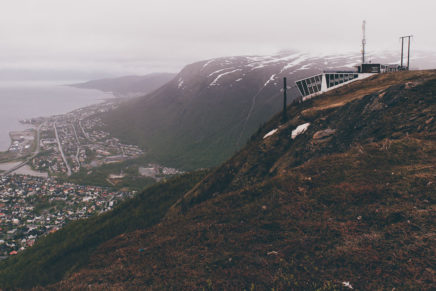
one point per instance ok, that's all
(212, 107)
(128, 86)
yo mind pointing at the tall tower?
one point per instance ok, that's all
(285, 102)
(408, 50)
(363, 40)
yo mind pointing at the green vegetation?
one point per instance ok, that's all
(99, 176)
(70, 248)
(200, 125)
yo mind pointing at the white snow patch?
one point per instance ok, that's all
(295, 62)
(270, 80)
(306, 66)
(218, 71)
(180, 83)
(270, 133)
(265, 60)
(207, 63)
(237, 80)
(256, 59)
(347, 284)
(299, 130)
(258, 67)
(214, 82)
(257, 62)
(351, 65)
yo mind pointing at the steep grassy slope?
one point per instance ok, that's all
(351, 204)
(70, 248)
(352, 199)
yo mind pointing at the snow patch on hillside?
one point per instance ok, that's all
(214, 82)
(299, 130)
(270, 133)
(295, 62)
(305, 67)
(347, 284)
(180, 84)
(267, 60)
(218, 71)
(270, 80)
(351, 65)
(207, 63)
(258, 67)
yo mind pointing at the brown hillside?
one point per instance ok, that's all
(352, 199)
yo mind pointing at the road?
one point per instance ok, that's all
(37, 149)
(81, 127)
(78, 146)
(61, 151)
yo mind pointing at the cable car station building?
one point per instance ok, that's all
(329, 80)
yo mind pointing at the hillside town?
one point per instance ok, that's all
(77, 140)
(35, 206)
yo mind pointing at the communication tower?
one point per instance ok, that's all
(363, 40)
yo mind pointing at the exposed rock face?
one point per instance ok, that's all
(376, 104)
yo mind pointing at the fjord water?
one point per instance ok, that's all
(23, 100)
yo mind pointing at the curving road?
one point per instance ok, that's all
(37, 149)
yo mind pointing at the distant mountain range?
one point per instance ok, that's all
(129, 86)
(211, 108)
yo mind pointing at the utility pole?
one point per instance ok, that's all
(363, 40)
(408, 50)
(402, 48)
(285, 88)
(408, 54)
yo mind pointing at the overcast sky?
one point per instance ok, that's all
(117, 37)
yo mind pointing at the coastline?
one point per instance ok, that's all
(21, 100)
(18, 147)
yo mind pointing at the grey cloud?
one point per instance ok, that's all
(136, 37)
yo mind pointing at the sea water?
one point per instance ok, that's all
(24, 100)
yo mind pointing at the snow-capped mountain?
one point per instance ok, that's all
(212, 107)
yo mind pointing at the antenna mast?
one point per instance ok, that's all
(408, 50)
(285, 88)
(363, 40)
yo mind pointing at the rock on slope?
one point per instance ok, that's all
(347, 202)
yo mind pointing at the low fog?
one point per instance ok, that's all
(86, 39)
